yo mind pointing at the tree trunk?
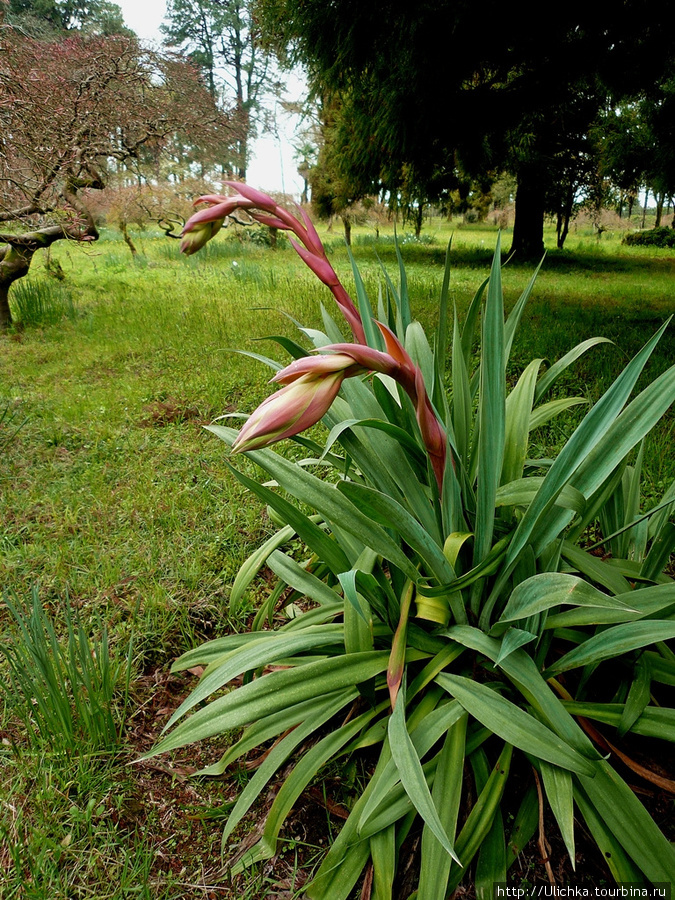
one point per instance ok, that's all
(127, 239)
(348, 230)
(16, 258)
(644, 208)
(659, 209)
(528, 228)
(14, 264)
(5, 311)
(419, 220)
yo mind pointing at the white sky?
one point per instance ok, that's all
(272, 167)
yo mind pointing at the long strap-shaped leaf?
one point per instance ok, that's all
(271, 693)
(481, 817)
(549, 589)
(316, 538)
(327, 500)
(513, 724)
(614, 642)
(491, 412)
(446, 794)
(259, 653)
(305, 770)
(412, 777)
(520, 668)
(631, 824)
(587, 435)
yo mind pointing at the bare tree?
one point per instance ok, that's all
(72, 109)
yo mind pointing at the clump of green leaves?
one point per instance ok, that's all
(655, 237)
(40, 301)
(68, 693)
(450, 620)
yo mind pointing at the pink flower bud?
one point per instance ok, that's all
(198, 235)
(289, 411)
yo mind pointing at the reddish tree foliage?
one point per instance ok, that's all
(69, 111)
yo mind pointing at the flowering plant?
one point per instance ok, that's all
(446, 611)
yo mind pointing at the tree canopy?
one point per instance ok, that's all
(425, 88)
(219, 37)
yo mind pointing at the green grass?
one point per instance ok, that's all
(112, 493)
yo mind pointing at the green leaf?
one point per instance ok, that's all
(491, 863)
(513, 724)
(522, 492)
(461, 397)
(560, 794)
(373, 337)
(383, 855)
(547, 411)
(446, 795)
(596, 569)
(257, 653)
(491, 412)
(550, 589)
(585, 438)
(411, 774)
(556, 370)
(403, 438)
(388, 512)
(279, 753)
(327, 500)
(254, 564)
(524, 825)
(518, 412)
(512, 640)
(301, 580)
(294, 784)
(316, 538)
(630, 823)
(654, 722)
(643, 602)
(522, 671)
(271, 726)
(480, 818)
(638, 697)
(619, 863)
(271, 693)
(614, 642)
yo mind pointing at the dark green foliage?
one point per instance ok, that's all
(655, 237)
(519, 92)
(95, 16)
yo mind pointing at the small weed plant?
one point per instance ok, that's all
(41, 301)
(69, 694)
(449, 615)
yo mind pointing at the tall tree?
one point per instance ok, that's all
(71, 109)
(425, 84)
(44, 16)
(220, 37)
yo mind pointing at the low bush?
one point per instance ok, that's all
(655, 237)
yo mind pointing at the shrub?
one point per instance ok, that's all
(446, 612)
(655, 237)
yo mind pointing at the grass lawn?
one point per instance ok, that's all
(113, 497)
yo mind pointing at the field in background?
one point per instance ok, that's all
(114, 496)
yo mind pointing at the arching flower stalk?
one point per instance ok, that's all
(312, 383)
(265, 210)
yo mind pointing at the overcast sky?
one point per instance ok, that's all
(272, 167)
